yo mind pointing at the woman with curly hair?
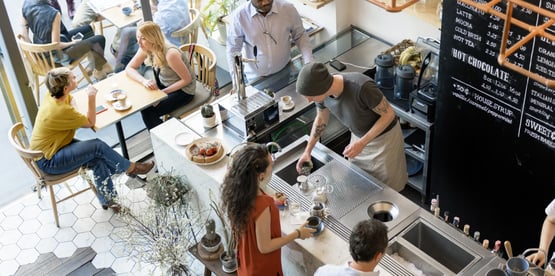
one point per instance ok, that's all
(172, 72)
(253, 215)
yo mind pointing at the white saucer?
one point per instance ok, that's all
(184, 138)
(287, 107)
(118, 107)
(110, 96)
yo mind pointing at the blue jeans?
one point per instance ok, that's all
(95, 155)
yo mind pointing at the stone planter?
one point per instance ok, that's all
(229, 264)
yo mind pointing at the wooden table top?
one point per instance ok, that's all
(138, 96)
(111, 11)
(116, 16)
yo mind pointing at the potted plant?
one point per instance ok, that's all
(213, 17)
(161, 232)
(208, 115)
(211, 241)
(228, 257)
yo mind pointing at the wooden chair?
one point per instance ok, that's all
(203, 64)
(189, 33)
(41, 58)
(18, 139)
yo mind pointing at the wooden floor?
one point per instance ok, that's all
(78, 264)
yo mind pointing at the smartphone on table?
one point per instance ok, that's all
(100, 109)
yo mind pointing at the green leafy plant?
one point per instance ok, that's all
(215, 11)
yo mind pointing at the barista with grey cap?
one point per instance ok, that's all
(376, 144)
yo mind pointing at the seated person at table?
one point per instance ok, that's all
(46, 24)
(367, 245)
(54, 131)
(84, 15)
(172, 72)
(170, 15)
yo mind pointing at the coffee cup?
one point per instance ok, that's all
(122, 99)
(126, 11)
(286, 100)
(314, 222)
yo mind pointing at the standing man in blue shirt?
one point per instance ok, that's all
(270, 26)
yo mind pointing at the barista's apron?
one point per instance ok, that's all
(384, 158)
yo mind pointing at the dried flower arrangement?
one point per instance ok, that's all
(162, 232)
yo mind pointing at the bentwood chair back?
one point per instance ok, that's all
(203, 64)
(18, 140)
(189, 33)
(41, 58)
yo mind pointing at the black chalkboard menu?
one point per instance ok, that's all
(493, 153)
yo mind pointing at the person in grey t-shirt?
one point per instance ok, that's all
(376, 144)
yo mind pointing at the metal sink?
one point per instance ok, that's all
(448, 255)
(289, 173)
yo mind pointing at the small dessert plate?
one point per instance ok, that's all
(184, 138)
(118, 107)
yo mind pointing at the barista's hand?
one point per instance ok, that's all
(537, 258)
(353, 149)
(305, 231)
(303, 158)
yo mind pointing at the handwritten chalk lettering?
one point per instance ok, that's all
(544, 60)
(458, 38)
(463, 23)
(472, 8)
(488, 68)
(464, 14)
(538, 110)
(547, 71)
(546, 52)
(550, 6)
(537, 127)
(461, 30)
(542, 139)
(458, 54)
(541, 96)
(547, 40)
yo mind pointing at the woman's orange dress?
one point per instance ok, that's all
(250, 260)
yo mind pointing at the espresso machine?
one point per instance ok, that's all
(248, 113)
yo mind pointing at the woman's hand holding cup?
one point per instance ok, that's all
(91, 90)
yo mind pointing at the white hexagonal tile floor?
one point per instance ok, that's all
(27, 230)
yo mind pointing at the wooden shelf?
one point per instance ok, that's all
(316, 4)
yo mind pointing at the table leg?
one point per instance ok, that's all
(122, 143)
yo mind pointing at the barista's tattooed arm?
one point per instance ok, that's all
(382, 107)
(318, 130)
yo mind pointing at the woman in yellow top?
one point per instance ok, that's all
(172, 72)
(54, 131)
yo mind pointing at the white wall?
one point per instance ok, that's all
(391, 27)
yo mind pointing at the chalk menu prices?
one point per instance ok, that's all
(474, 76)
